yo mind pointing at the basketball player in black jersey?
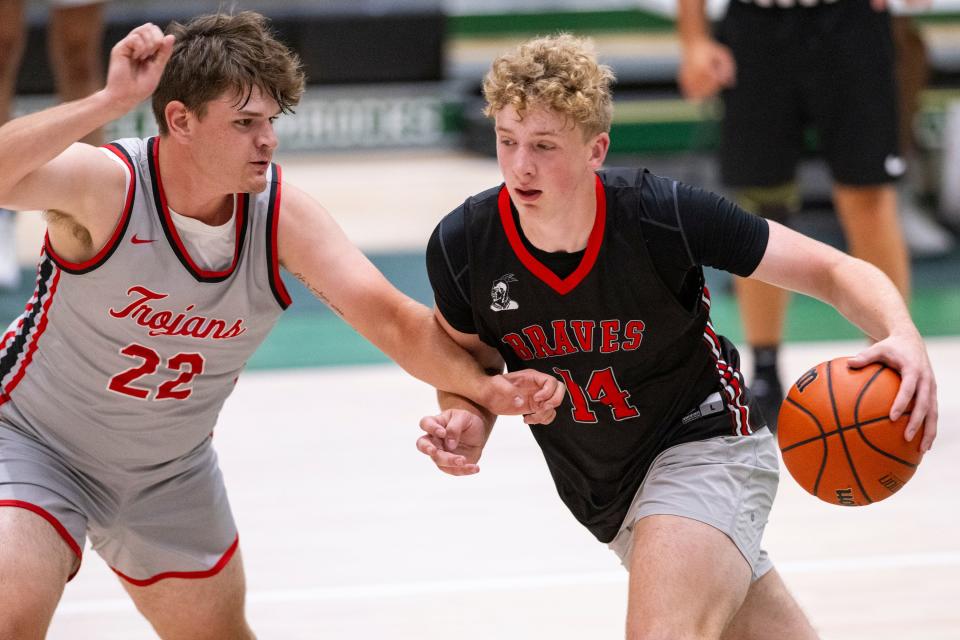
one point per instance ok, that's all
(596, 276)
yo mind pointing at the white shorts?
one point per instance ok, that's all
(728, 482)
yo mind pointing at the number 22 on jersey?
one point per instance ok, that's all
(188, 365)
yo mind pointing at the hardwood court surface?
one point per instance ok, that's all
(348, 532)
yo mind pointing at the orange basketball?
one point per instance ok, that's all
(836, 436)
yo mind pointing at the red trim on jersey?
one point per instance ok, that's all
(6, 337)
(190, 575)
(732, 380)
(41, 326)
(179, 247)
(275, 266)
(117, 232)
(540, 270)
(49, 517)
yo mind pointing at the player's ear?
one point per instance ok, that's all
(598, 145)
(178, 118)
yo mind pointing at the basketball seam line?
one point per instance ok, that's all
(843, 441)
(856, 420)
(824, 434)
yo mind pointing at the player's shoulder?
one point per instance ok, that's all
(133, 148)
(638, 182)
(623, 177)
(639, 191)
(453, 225)
(481, 203)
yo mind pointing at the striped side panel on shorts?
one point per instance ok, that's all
(20, 343)
(731, 378)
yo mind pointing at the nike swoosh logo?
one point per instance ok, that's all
(136, 240)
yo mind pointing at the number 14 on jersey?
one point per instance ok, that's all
(602, 388)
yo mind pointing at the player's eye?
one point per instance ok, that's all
(244, 122)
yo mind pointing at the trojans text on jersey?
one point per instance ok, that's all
(162, 322)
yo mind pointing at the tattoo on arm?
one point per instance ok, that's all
(318, 293)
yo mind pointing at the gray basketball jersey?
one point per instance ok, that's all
(124, 361)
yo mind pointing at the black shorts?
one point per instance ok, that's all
(829, 66)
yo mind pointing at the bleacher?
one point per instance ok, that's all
(406, 74)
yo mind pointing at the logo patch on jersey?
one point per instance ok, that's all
(500, 293)
(895, 166)
(136, 240)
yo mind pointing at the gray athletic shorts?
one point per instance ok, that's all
(170, 520)
(728, 482)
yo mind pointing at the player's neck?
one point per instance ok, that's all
(564, 227)
(189, 191)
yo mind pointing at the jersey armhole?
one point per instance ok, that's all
(273, 254)
(119, 155)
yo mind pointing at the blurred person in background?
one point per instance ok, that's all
(74, 47)
(780, 67)
(925, 238)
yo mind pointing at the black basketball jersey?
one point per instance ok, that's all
(634, 360)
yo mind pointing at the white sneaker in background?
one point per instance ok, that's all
(9, 267)
(924, 237)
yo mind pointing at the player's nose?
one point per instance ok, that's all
(267, 137)
(523, 163)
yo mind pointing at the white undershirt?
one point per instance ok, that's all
(210, 247)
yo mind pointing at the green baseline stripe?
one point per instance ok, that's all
(482, 25)
(663, 137)
(935, 311)
(938, 18)
(678, 126)
(318, 338)
(614, 20)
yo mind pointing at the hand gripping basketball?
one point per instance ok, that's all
(836, 436)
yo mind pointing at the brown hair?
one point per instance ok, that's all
(220, 52)
(559, 72)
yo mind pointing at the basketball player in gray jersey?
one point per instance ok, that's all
(160, 276)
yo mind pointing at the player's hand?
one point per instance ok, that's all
(706, 67)
(907, 354)
(136, 64)
(526, 392)
(545, 400)
(454, 441)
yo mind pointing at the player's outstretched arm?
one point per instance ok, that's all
(314, 248)
(866, 297)
(42, 166)
(454, 438)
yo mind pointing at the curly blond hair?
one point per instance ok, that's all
(559, 72)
